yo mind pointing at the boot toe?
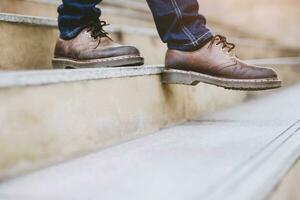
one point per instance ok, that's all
(127, 50)
(111, 52)
(268, 73)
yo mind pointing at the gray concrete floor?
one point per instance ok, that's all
(240, 153)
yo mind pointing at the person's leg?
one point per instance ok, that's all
(194, 55)
(179, 24)
(74, 15)
(83, 42)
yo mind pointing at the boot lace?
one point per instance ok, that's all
(97, 31)
(219, 39)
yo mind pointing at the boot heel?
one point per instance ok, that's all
(59, 64)
(178, 77)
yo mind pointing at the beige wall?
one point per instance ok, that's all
(273, 19)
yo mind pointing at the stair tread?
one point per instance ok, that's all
(240, 153)
(27, 19)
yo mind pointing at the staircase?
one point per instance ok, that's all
(51, 116)
(239, 153)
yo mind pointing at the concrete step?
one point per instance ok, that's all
(35, 51)
(48, 116)
(240, 153)
(138, 14)
(29, 7)
(54, 88)
(125, 12)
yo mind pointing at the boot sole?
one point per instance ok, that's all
(118, 61)
(172, 76)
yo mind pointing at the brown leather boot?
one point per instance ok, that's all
(216, 64)
(94, 48)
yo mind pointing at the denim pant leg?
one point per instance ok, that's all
(74, 15)
(179, 24)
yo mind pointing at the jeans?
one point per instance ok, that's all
(178, 22)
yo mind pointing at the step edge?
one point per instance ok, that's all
(136, 6)
(52, 23)
(27, 19)
(44, 77)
